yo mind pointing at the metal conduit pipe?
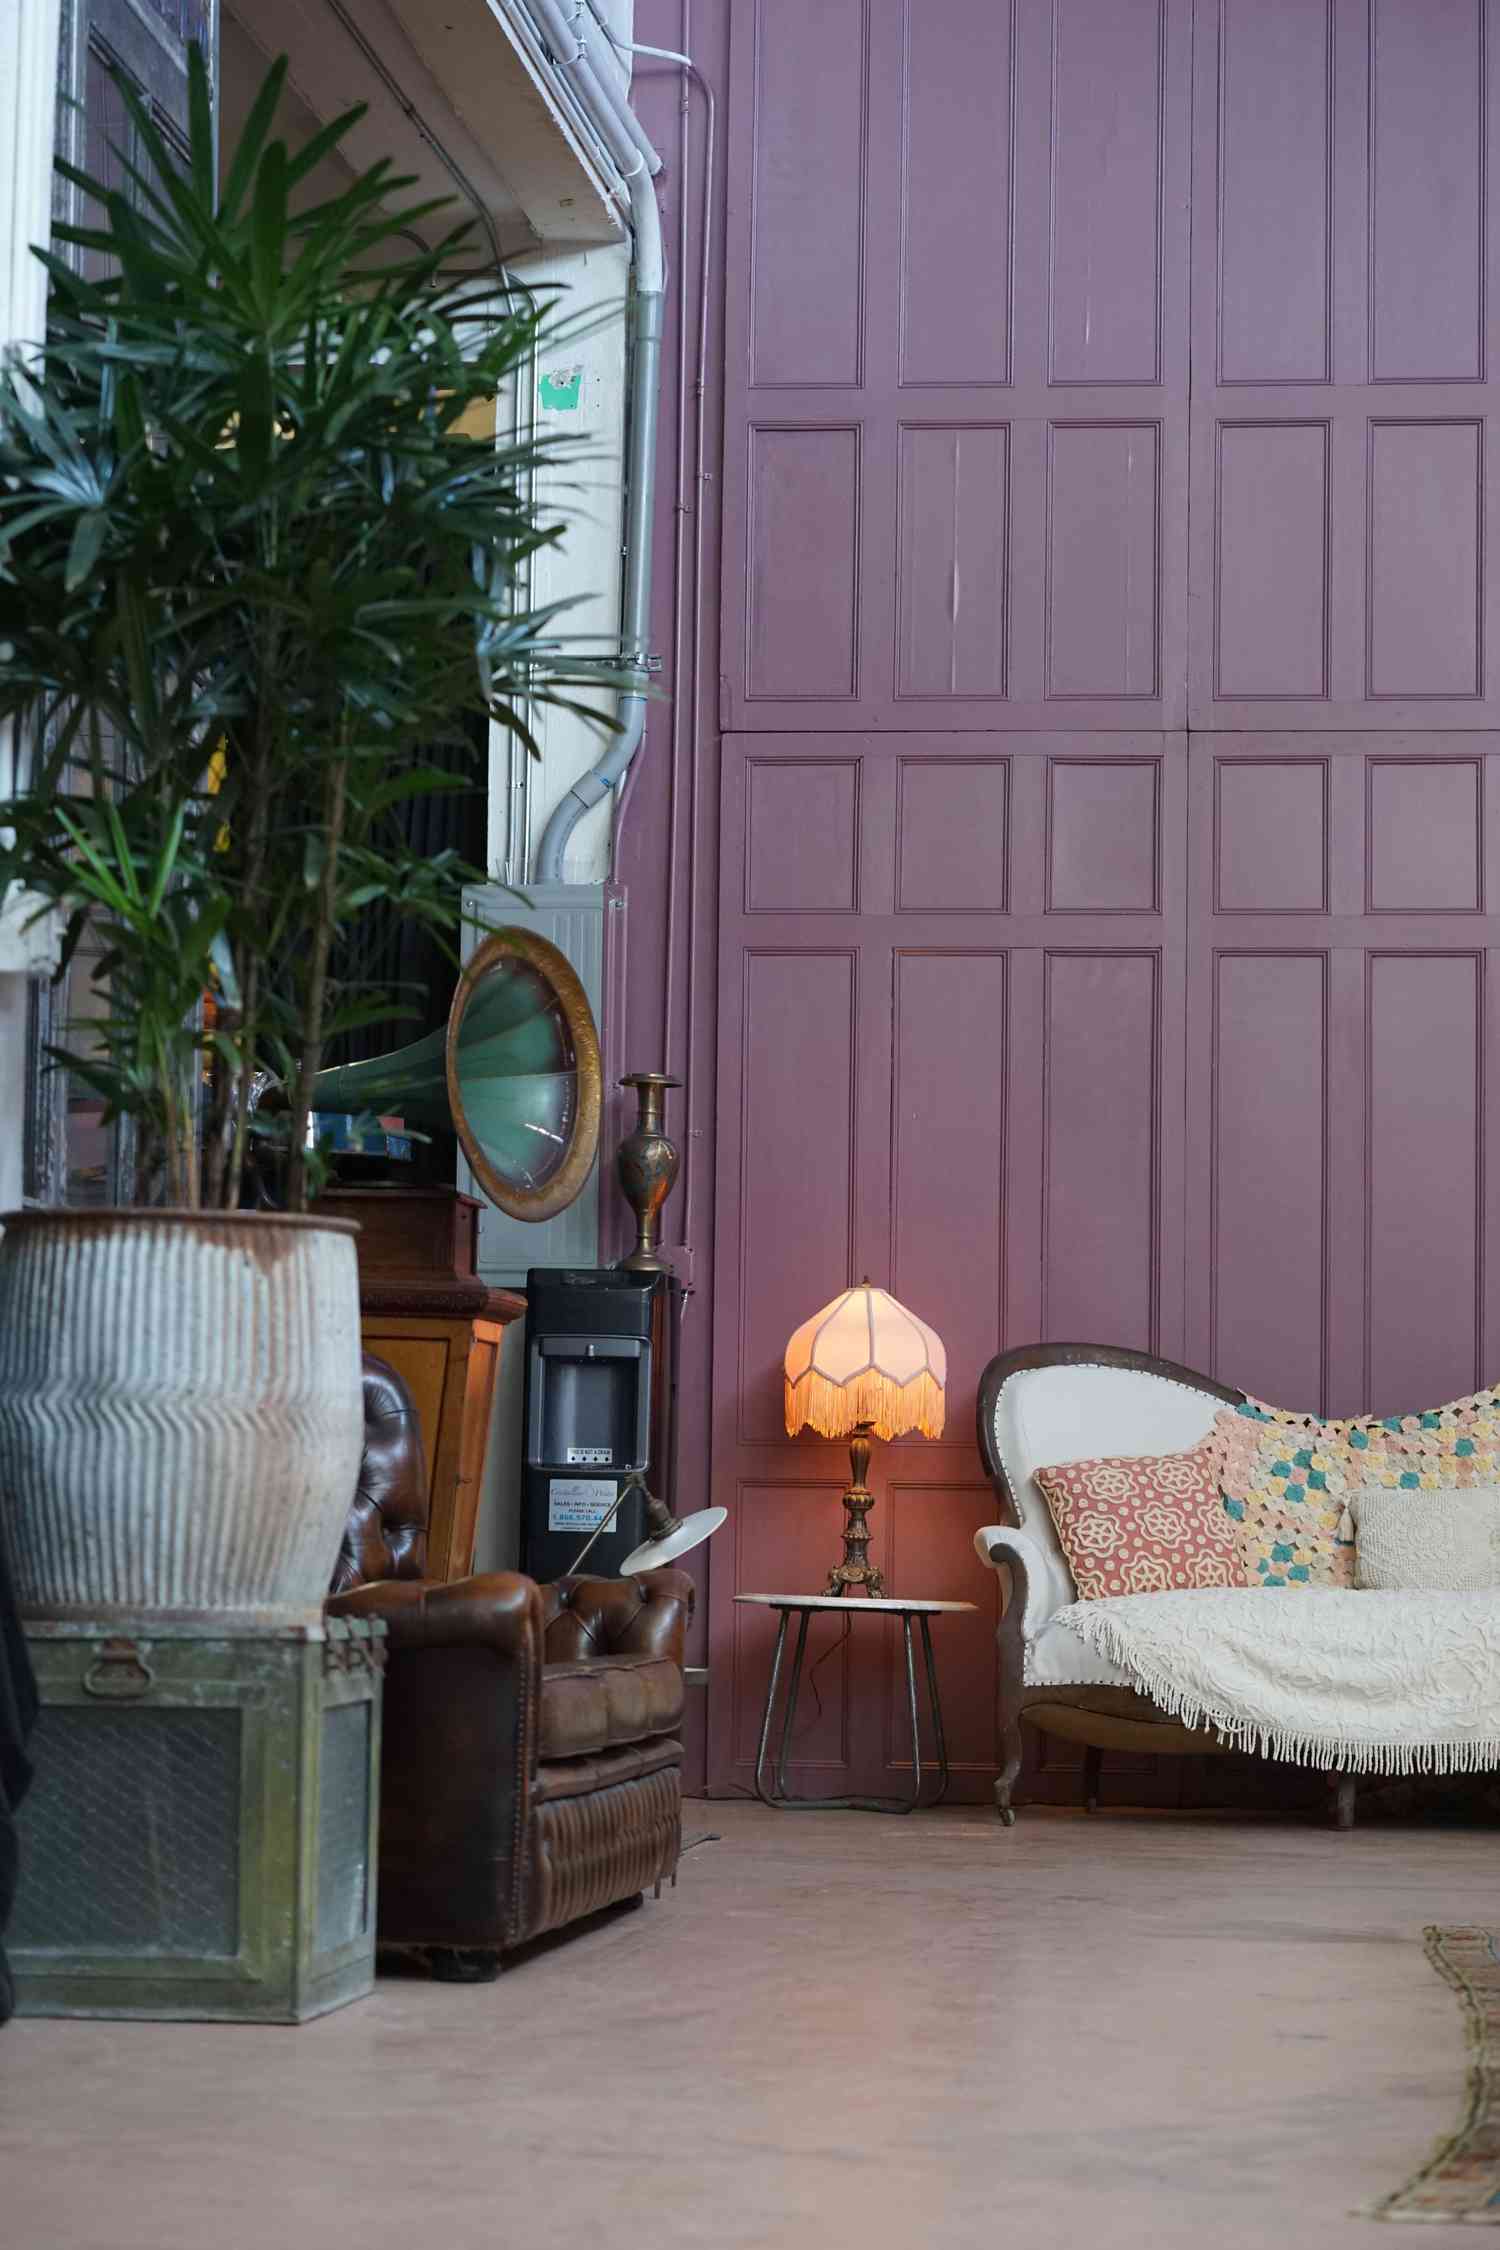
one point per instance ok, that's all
(568, 34)
(626, 141)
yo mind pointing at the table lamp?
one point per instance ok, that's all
(864, 1367)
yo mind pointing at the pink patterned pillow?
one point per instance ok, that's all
(1144, 1525)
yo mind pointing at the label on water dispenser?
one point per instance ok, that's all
(590, 1456)
(578, 1503)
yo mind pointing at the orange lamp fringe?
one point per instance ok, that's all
(891, 1409)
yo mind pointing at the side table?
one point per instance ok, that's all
(802, 1607)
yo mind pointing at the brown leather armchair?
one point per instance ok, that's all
(531, 1769)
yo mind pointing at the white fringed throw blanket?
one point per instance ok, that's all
(1365, 1682)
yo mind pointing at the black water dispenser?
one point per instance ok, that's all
(589, 1353)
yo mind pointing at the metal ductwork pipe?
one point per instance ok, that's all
(622, 135)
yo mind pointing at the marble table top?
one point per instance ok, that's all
(892, 1603)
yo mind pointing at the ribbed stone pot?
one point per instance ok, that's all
(181, 1412)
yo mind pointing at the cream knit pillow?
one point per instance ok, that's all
(1429, 1542)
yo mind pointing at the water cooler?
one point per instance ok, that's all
(600, 1377)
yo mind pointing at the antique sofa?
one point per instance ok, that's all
(531, 1766)
(1053, 1402)
(1397, 1673)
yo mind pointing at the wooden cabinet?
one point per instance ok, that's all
(425, 1311)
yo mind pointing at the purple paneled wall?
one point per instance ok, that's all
(1087, 869)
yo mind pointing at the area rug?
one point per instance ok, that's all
(1460, 2182)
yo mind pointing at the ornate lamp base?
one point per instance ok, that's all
(856, 1569)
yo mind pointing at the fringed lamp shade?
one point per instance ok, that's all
(865, 1359)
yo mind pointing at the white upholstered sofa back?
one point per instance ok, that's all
(1046, 1414)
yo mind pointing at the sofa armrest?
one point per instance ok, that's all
(647, 1615)
(1001, 1545)
(460, 1729)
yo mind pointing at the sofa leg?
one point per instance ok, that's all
(1010, 1767)
(656, 1888)
(1343, 1800)
(1093, 1760)
(459, 1964)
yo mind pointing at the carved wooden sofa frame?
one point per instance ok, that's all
(1080, 1400)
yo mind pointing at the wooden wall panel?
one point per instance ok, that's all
(781, 1545)
(1103, 835)
(1270, 841)
(952, 835)
(1425, 594)
(1271, 567)
(966, 368)
(1269, 1218)
(930, 1526)
(957, 155)
(1103, 550)
(1107, 162)
(802, 848)
(1275, 188)
(953, 496)
(1426, 835)
(1427, 165)
(1106, 916)
(1424, 1209)
(796, 1187)
(808, 192)
(948, 1151)
(1100, 1159)
(803, 586)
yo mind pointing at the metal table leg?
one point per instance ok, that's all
(765, 1725)
(775, 1792)
(936, 1708)
(793, 1687)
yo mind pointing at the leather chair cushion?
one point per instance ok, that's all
(599, 1704)
(580, 1777)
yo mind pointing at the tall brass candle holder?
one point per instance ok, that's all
(647, 1164)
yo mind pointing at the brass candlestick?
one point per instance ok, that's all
(647, 1163)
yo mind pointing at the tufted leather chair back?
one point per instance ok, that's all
(585, 1618)
(386, 1535)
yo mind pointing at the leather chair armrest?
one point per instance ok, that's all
(596, 1617)
(1001, 1546)
(501, 1611)
(461, 1724)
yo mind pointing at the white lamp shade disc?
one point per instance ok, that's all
(690, 1532)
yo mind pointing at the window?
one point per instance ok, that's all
(69, 1156)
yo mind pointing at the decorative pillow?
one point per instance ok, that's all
(1446, 1542)
(1287, 1476)
(1143, 1524)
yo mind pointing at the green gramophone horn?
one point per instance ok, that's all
(516, 1074)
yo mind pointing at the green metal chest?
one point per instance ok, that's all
(199, 1840)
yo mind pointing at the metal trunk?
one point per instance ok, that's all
(200, 1838)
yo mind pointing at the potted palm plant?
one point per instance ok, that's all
(253, 573)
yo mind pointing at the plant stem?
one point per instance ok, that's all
(317, 982)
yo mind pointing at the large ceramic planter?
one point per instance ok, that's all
(181, 1414)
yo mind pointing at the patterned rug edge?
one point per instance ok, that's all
(1459, 2185)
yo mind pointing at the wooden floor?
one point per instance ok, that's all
(839, 2030)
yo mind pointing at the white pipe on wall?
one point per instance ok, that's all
(29, 34)
(637, 160)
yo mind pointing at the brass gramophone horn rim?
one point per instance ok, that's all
(567, 1181)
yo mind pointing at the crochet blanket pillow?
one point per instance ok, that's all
(1287, 1477)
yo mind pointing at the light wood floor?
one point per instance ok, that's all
(840, 2030)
